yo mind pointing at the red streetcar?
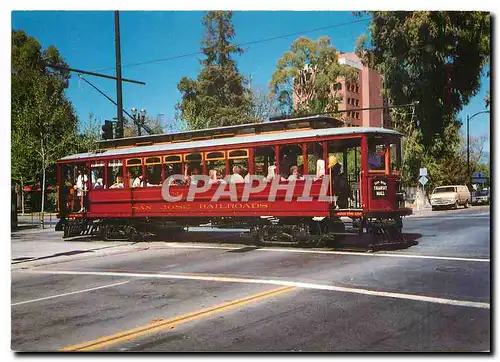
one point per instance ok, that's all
(346, 181)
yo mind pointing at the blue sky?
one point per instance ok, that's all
(86, 40)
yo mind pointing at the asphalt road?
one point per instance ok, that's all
(211, 297)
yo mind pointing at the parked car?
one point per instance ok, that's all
(450, 197)
(481, 197)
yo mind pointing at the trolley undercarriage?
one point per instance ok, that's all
(369, 233)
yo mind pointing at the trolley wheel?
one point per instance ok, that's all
(315, 228)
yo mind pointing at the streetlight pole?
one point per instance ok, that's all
(468, 147)
(139, 118)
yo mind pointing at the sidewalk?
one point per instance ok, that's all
(34, 247)
(33, 220)
(421, 211)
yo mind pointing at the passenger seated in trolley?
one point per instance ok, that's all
(320, 169)
(271, 173)
(259, 173)
(216, 177)
(118, 184)
(138, 181)
(236, 177)
(294, 174)
(213, 176)
(220, 179)
(193, 178)
(99, 184)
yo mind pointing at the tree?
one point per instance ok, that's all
(43, 120)
(50, 133)
(90, 134)
(177, 124)
(130, 127)
(218, 97)
(435, 58)
(262, 106)
(305, 78)
(487, 100)
(23, 170)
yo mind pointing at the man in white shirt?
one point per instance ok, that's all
(81, 187)
(236, 177)
(259, 173)
(137, 181)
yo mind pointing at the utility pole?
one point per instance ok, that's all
(119, 100)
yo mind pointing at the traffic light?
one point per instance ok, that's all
(107, 130)
(118, 129)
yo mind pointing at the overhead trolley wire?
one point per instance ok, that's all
(242, 44)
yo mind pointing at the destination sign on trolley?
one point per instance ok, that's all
(379, 188)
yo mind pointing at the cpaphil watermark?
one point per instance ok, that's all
(203, 186)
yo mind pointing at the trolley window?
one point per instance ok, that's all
(134, 171)
(115, 174)
(238, 164)
(97, 174)
(215, 156)
(289, 156)
(377, 149)
(237, 154)
(153, 171)
(193, 164)
(216, 162)
(193, 157)
(173, 166)
(264, 160)
(173, 159)
(153, 161)
(315, 154)
(395, 156)
(134, 162)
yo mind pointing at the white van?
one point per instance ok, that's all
(450, 196)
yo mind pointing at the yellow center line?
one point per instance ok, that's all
(158, 326)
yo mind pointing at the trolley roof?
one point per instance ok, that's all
(240, 141)
(276, 124)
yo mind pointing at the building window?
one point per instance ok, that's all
(357, 102)
(357, 89)
(357, 115)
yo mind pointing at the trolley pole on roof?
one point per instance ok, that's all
(119, 100)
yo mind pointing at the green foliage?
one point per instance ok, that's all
(305, 78)
(131, 130)
(435, 58)
(43, 120)
(219, 96)
(262, 106)
(90, 135)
